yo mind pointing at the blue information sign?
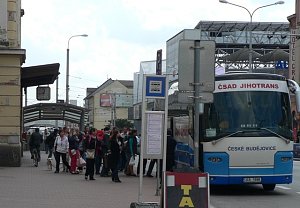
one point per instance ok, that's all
(155, 86)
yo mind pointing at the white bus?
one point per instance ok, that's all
(246, 133)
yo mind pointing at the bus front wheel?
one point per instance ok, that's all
(269, 187)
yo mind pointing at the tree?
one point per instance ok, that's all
(121, 123)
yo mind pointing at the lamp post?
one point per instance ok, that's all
(250, 24)
(67, 75)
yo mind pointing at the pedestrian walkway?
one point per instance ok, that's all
(37, 187)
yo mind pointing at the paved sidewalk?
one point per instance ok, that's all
(31, 187)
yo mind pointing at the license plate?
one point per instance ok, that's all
(252, 180)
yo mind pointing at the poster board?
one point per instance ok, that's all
(153, 138)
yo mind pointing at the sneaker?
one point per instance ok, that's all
(56, 172)
(149, 175)
(92, 179)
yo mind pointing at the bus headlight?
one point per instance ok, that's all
(215, 159)
(285, 159)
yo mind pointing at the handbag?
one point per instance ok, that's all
(90, 153)
(131, 161)
(81, 162)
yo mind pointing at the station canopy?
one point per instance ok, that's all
(39, 75)
(275, 55)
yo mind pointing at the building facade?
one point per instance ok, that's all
(11, 59)
(109, 102)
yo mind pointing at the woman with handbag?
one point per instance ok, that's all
(131, 151)
(90, 148)
(114, 156)
(61, 146)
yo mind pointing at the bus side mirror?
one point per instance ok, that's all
(297, 96)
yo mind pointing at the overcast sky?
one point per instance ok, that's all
(121, 34)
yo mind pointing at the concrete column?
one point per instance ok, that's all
(10, 106)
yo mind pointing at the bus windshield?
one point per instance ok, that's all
(252, 113)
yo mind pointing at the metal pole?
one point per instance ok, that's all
(114, 103)
(165, 140)
(196, 102)
(250, 45)
(143, 135)
(26, 99)
(67, 73)
(67, 76)
(56, 122)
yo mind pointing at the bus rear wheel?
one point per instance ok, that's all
(269, 187)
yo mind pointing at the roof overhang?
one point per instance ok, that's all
(39, 75)
(55, 111)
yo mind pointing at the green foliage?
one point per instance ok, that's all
(121, 123)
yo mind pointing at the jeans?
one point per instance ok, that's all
(38, 152)
(98, 159)
(64, 159)
(90, 168)
(50, 152)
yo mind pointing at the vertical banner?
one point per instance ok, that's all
(293, 74)
(298, 12)
(158, 62)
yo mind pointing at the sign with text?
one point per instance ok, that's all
(153, 144)
(186, 190)
(105, 100)
(155, 86)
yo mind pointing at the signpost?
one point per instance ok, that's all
(154, 123)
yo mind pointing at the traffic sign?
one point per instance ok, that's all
(155, 86)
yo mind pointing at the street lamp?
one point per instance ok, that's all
(67, 75)
(250, 25)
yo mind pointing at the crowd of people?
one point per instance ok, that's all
(103, 152)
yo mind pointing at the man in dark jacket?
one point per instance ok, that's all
(35, 142)
(171, 145)
(105, 148)
(50, 142)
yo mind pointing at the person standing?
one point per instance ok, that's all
(90, 149)
(50, 142)
(61, 146)
(171, 145)
(73, 150)
(104, 149)
(35, 142)
(98, 153)
(131, 151)
(114, 156)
